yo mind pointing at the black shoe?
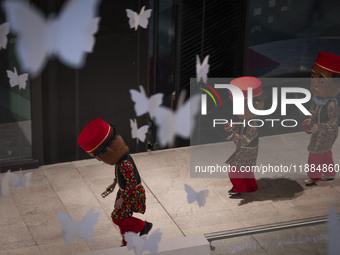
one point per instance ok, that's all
(327, 178)
(310, 182)
(146, 229)
(233, 193)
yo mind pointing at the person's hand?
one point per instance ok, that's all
(228, 128)
(118, 203)
(307, 125)
(230, 137)
(109, 189)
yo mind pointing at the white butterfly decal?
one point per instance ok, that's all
(69, 35)
(202, 70)
(193, 196)
(4, 30)
(82, 229)
(143, 104)
(21, 180)
(140, 19)
(333, 231)
(143, 243)
(139, 133)
(17, 80)
(179, 123)
(4, 185)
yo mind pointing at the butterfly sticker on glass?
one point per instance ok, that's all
(139, 244)
(138, 133)
(141, 19)
(202, 69)
(70, 35)
(176, 123)
(4, 30)
(21, 180)
(143, 104)
(193, 196)
(17, 80)
(73, 229)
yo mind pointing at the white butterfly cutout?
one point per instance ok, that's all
(82, 229)
(139, 244)
(21, 180)
(17, 80)
(143, 104)
(202, 70)
(4, 30)
(139, 133)
(141, 19)
(69, 35)
(193, 196)
(333, 231)
(181, 122)
(4, 185)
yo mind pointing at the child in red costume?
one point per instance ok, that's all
(100, 140)
(246, 139)
(323, 125)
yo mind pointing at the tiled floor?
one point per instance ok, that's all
(29, 221)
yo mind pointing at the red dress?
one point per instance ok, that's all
(246, 140)
(133, 194)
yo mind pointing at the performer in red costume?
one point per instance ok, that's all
(323, 125)
(246, 139)
(101, 140)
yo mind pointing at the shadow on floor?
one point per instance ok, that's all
(273, 189)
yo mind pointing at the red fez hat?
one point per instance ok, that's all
(248, 82)
(95, 134)
(328, 62)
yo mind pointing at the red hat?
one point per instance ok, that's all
(248, 82)
(95, 134)
(328, 62)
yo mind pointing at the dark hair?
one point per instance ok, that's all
(107, 143)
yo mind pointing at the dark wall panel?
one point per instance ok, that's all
(215, 28)
(72, 98)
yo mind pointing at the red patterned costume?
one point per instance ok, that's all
(101, 140)
(246, 139)
(323, 125)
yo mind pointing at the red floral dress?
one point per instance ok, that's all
(133, 193)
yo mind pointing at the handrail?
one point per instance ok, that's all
(265, 228)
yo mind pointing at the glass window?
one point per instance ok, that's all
(15, 104)
(285, 36)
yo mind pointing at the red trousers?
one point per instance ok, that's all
(322, 161)
(130, 224)
(242, 181)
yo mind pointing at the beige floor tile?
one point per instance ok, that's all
(32, 250)
(97, 170)
(79, 195)
(34, 200)
(45, 228)
(86, 162)
(15, 234)
(199, 223)
(8, 209)
(61, 248)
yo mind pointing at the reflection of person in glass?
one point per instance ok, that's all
(101, 140)
(323, 125)
(246, 139)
